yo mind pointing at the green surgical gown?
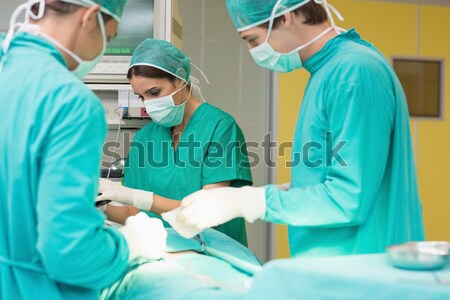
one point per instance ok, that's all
(212, 149)
(353, 178)
(52, 241)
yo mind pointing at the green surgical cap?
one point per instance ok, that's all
(247, 14)
(114, 8)
(164, 56)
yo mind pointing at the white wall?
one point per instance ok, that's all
(6, 9)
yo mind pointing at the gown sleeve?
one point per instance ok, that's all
(362, 118)
(74, 246)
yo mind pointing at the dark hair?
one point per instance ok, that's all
(313, 12)
(149, 72)
(63, 9)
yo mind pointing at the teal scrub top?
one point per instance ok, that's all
(353, 178)
(53, 244)
(212, 149)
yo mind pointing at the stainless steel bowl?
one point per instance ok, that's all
(420, 255)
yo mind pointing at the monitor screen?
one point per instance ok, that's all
(136, 26)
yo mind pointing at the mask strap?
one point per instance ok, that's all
(314, 39)
(330, 8)
(187, 99)
(189, 96)
(201, 72)
(272, 19)
(72, 54)
(101, 23)
(41, 10)
(195, 85)
(30, 28)
(185, 85)
(195, 82)
(272, 16)
(13, 25)
(61, 47)
(26, 26)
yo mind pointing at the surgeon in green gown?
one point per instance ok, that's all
(189, 145)
(353, 183)
(52, 241)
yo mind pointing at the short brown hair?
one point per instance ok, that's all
(313, 12)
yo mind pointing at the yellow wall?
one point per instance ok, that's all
(393, 29)
(291, 87)
(433, 153)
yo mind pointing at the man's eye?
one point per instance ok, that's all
(253, 42)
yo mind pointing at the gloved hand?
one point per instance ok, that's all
(285, 186)
(145, 236)
(115, 191)
(171, 217)
(208, 208)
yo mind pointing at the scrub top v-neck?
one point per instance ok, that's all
(212, 149)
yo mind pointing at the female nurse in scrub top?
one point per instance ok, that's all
(188, 146)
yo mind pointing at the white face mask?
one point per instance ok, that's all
(266, 57)
(83, 68)
(163, 110)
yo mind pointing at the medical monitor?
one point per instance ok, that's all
(141, 19)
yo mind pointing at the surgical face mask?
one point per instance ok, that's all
(83, 68)
(86, 66)
(266, 57)
(163, 110)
